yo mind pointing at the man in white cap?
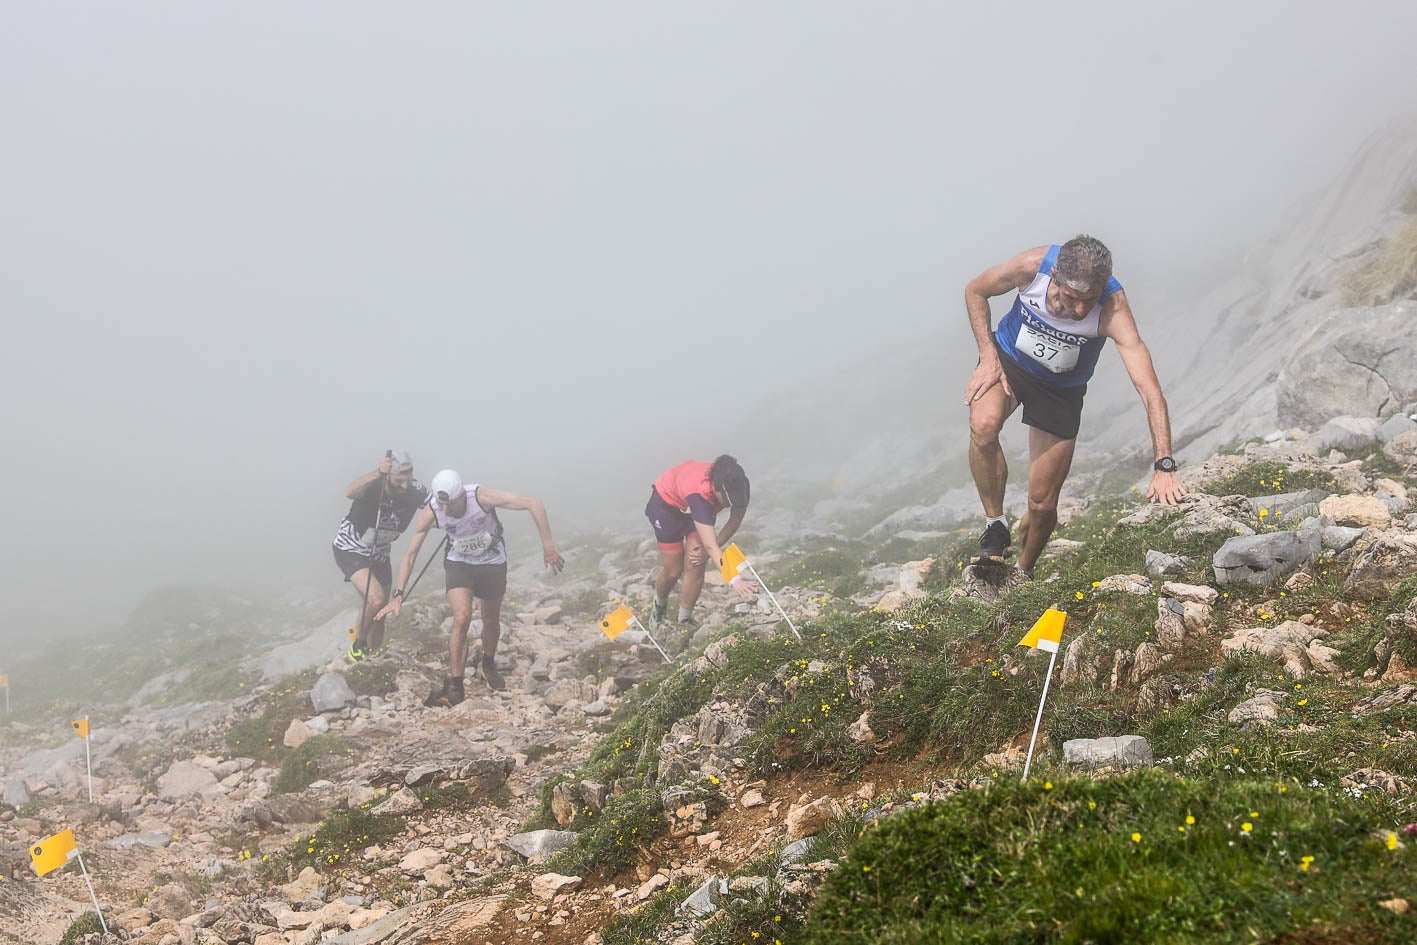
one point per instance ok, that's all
(383, 505)
(475, 565)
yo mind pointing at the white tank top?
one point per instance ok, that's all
(474, 537)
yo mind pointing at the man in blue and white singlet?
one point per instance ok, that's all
(475, 565)
(1041, 356)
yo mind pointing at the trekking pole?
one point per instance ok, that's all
(408, 591)
(373, 545)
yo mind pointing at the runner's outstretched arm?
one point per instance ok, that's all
(1006, 277)
(730, 527)
(742, 585)
(361, 485)
(1119, 325)
(422, 523)
(492, 499)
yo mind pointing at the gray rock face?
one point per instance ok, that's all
(1381, 563)
(1338, 537)
(1128, 750)
(331, 693)
(17, 792)
(1345, 434)
(150, 838)
(703, 901)
(1396, 425)
(1402, 448)
(1263, 708)
(1161, 564)
(1357, 363)
(537, 845)
(1264, 559)
(185, 779)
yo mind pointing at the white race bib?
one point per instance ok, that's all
(475, 545)
(1054, 354)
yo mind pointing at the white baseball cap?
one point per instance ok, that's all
(447, 485)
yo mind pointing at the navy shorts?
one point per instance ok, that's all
(670, 525)
(351, 562)
(1052, 409)
(486, 581)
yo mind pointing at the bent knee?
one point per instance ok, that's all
(1043, 505)
(984, 427)
(461, 618)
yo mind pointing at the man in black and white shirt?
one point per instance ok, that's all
(384, 504)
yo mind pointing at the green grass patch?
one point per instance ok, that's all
(343, 834)
(1268, 477)
(261, 736)
(371, 677)
(834, 570)
(1141, 857)
(318, 757)
(613, 839)
(87, 924)
(641, 924)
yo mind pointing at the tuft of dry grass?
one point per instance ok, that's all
(1390, 276)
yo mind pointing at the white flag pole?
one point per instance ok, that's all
(651, 639)
(764, 586)
(88, 763)
(96, 908)
(1052, 648)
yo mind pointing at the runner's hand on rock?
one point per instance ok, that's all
(986, 375)
(1166, 487)
(392, 607)
(553, 558)
(743, 586)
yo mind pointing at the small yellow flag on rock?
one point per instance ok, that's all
(734, 563)
(48, 855)
(1047, 632)
(81, 727)
(616, 621)
(353, 633)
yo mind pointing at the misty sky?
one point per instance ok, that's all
(250, 246)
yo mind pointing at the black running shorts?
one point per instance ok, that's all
(1055, 410)
(486, 581)
(351, 562)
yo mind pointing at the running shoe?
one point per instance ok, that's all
(490, 675)
(357, 654)
(992, 543)
(453, 692)
(689, 623)
(659, 615)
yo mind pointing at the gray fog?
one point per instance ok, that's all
(561, 246)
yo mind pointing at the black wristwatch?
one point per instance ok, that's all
(398, 592)
(1165, 464)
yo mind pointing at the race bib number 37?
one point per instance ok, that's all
(1053, 353)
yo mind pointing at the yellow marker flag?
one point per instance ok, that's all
(1047, 632)
(48, 855)
(81, 727)
(616, 621)
(353, 634)
(734, 563)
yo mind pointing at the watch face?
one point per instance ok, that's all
(1166, 465)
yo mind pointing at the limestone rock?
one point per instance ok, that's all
(1402, 449)
(400, 804)
(1300, 504)
(1264, 708)
(1346, 434)
(331, 693)
(550, 885)
(1191, 593)
(1265, 559)
(185, 779)
(703, 902)
(1126, 750)
(1356, 511)
(1287, 643)
(860, 730)
(1160, 564)
(1083, 661)
(1380, 563)
(990, 583)
(537, 845)
(1135, 584)
(418, 861)
(810, 818)
(296, 734)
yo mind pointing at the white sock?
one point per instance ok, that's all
(990, 521)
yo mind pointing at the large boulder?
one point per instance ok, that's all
(1402, 449)
(1346, 434)
(1264, 559)
(1356, 511)
(1126, 750)
(1355, 363)
(331, 693)
(1380, 563)
(1293, 644)
(185, 779)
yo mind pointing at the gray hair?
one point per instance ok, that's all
(1084, 265)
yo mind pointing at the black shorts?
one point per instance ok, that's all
(671, 526)
(486, 581)
(351, 562)
(1052, 409)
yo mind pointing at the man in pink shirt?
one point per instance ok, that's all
(683, 508)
